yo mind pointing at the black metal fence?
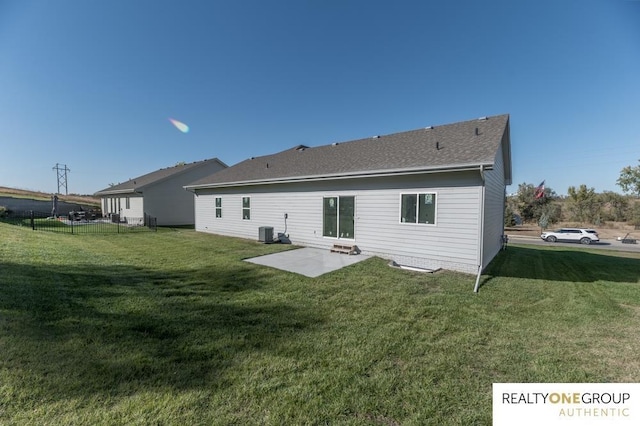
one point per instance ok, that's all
(80, 222)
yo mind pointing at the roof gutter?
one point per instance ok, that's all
(117, 192)
(337, 176)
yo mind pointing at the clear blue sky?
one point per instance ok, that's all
(91, 84)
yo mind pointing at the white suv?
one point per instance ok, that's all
(582, 235)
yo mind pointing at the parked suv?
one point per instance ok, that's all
(582, 235)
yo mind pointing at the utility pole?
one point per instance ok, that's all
(61, 172)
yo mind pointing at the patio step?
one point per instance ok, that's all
(345, 249)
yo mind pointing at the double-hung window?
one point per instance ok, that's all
(246, 208)
(218, 207)
(418, 208)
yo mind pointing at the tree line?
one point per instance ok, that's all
(582, 204)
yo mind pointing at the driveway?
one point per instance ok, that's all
(310, 262)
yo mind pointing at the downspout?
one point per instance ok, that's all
(481, 234)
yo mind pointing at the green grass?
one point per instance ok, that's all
(174, 328)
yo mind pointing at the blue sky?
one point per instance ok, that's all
(91, 84)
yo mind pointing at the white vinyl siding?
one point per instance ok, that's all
(169, 202)
(451, 243)
(135, 209)
(133, 206)
(493, 210)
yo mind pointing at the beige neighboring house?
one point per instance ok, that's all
(159, 194)
(430, 198)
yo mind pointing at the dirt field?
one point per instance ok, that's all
(608, 231)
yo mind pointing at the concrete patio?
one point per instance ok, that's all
(310, 262)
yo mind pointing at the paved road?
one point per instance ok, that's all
(603, 244)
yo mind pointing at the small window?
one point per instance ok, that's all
(418, 208)
(246, 208)
(409, 208)
(127, 203)
(218, 207)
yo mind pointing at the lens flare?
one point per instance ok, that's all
(179, 125)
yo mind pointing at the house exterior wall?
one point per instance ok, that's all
(117, 204)
(169, 202)
(451, 243)
(493, 210)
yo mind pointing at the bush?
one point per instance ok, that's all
(635, 214)
(509, 217)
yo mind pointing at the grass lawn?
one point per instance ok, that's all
(174, 328)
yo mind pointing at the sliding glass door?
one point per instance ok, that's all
(338, 217)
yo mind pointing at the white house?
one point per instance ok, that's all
(431, 197)
(159, 194)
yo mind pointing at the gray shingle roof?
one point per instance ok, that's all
(464, 144)
(138, 183)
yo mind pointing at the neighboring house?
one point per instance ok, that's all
(430, 198)
(159, 194)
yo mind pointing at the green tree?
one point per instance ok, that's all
(629, 180)
(532, 208)
(550, 213)
(583, 204)
(509, 220)
(634, 214)
(614, 206)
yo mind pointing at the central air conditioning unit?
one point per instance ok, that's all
(265, 234)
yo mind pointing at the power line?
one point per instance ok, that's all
(61, 172)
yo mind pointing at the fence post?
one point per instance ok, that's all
(33, 222)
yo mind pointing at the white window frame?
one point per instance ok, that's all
(245, 208)
(216, 208)
(418, 194)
